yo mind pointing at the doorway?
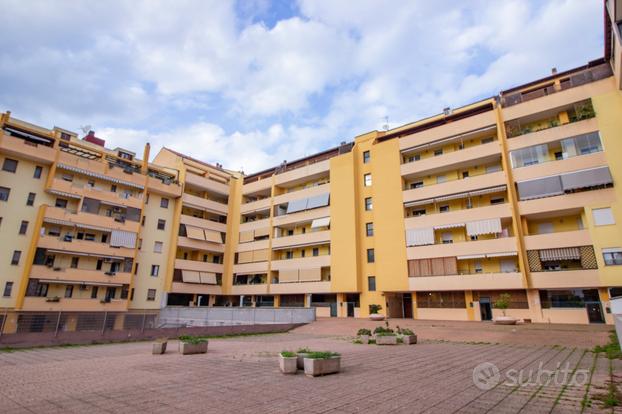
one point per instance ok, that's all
(350, 309)
(594, 312)
(407, 305)
(485, 308)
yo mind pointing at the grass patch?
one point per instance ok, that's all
(611, 349)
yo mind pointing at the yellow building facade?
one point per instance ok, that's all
(517, 194)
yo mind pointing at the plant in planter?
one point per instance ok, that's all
(373, 312)
(408, 337)
(189, 345)
(159, 346)
(503, 303)
(288, 362)
(302, 354)
(322, 363)
(364, 335)
(386, 338)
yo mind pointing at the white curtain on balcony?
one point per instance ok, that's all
(490, 226)
(120, 238)
(419, 237)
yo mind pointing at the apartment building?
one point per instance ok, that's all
(519, 194)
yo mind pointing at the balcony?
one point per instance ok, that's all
(300, 287)
(459, 216)
(581, 278)
(259, 289)
(477, 281)
(203, 223)
(501, 245)
(306, 239)
(558, 133)
(301, 263)
(251, 268)
(255, 225)
(79, 276)
(25, 149)
(91, 248)
(451, 159)
(571, 201)
(558, 240)
(303, 216)
(456, 186)
(306, 173)
(557, 167)
(102, 169)
(200, 245)
(257, 186)
(303, 193)
(199, 266)
(259, 205)
(196, 288)
(206, 183)
(156, 185)
(204, 204)
(88, 219)
(254, 245)
(40, 304)
(115, 199)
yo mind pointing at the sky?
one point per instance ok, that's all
(251, 83)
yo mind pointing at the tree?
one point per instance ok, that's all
(503, 302)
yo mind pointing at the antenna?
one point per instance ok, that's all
(386, 123)
(86, 128)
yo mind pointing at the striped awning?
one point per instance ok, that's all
(419, 237)
(567, 253)
(70, 224)
(490, 226)
(457, 196)
(471, 256)
(120, 238)
(451, 197)
(74, 282)
(449, 226)
(488, 190)
(64, 194)
(100, 176)
(504, 254)
(419, 203)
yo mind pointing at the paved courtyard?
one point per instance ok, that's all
(240, 375)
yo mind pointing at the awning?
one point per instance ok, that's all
(612, 250)
(120, 238)
(318, 201)
(310, 275)
(246, 236)
(488, 191)
(449, 139)
(471, 256)
(449, 226)
(262, 232)
(586, 178)
(288, 276)
(541, 187)
(29, 136)
(74, 282)
(212, 236)
(207, 278)
(321, 222)
(419, 203)
(190, 276)
(504, 254)
(194, 233)
(296, 206)
(74, 253)
(64, 194)
(490, 226)
(70, 224)
(419, 237)
(100, 176)
(567, 253)
(451, 197)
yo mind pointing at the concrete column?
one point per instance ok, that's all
(468, 299)
(603, 293)
(535, 308)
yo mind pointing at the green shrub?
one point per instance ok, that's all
(322, 355)
(405, 331)
(374, 309)
(189, 339)
(381, 329)
(288, 354)
(385, 333)
(303, 350)
(363, 331)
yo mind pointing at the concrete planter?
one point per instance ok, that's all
(317, 367)
(376, 317)
(409, 339)
(159, 348)
(505, 320)
(186, 348)
(364, 339)
(386, 340)
(300, 362)
(288, 365)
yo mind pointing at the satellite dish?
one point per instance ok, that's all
(86, 128)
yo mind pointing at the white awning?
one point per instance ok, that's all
(321, 222)
(120, 238)
(419, 237)
(321, 200)
(612, 250)
(567, 253)
(190, 276)
(444, 141)
(64, 194)
(471, 256)
(505, 254)
(419, 203)
(451, 197)
(100, 176)
(490, 226)
(449, 226)
(74, 282)
(207, 278)
(295, 206)
(488, 191)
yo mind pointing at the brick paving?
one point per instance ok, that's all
(240, 375)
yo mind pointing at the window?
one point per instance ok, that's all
(8, 288)
(371, 258)
(440, 179)
(366, 157)
(23, 227)
(443, 209)
(161, 224)
(545, 228)
(113, 188)
(465, 174)
(371, 283)
(155, 270)
(612, 256)
(487, 140)
(368, 204)
(60, 203)
(438, 152)
(132, 294)
(367, 180)
(164, 202)
(99, 264)
(16, 256)
(498, 200)
(289, 255)
(69, 291)
(9, 165)
(136, 268)
(38, 171)
(140, 244)
(447, 238)
(369, 229)
(302, 253)
(316, 251)
(31, 199)
(67, 177)
(151, 294)
(417, 184)
(94, 290)
(157, 247)
(142, 220)
(603, 216)
(478, 267)
(74, 262)
(4, 193)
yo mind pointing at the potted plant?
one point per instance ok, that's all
(288, 362)
(385, 336)
(408, 336)
(322, 363)
(159, 346)
(302, 354)
(373, 313)
(189, 345)
(503, 303)
(364, 335)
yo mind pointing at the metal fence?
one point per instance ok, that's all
(174, 316)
